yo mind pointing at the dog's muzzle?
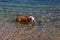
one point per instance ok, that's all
(33, 21)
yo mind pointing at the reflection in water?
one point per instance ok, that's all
(26, 27)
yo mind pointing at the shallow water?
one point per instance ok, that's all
(47, 25)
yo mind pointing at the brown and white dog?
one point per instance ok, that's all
(26, 19)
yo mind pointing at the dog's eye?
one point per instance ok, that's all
(29, 18)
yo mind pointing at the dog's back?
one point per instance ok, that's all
(20, 18)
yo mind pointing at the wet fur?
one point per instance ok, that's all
(23, 18)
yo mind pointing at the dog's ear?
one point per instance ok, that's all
(29, 19)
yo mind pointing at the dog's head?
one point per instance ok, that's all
(32, 19)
